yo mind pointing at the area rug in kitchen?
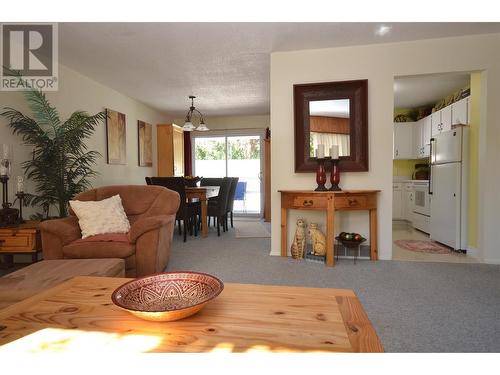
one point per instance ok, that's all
(422, 246)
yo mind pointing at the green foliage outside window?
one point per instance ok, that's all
(239, 149)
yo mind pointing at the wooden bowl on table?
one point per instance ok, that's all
(350, 243)
(167, 296)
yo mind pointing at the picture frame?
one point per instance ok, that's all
(145, 144)
(116, 137)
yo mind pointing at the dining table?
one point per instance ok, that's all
(203, 193)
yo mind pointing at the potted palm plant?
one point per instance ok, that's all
(61, 165)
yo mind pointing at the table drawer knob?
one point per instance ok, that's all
(352, 202)
(307, 203)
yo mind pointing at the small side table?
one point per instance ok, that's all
(22, 239)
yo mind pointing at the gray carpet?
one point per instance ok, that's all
(414, 307)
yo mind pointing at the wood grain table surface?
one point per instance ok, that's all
(78, 315)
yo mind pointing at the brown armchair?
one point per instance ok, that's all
(146, 248)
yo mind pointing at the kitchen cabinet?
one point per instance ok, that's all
(403, 140)
(460, 111)
(421, 138)
(417, 139)
(446, 119)
(441, 120)
(412, 140)
(397, 198)
(402, 201)
(426, 136)
(407, 202)
(436, 123)
(170, 149)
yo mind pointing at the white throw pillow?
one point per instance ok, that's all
(101, 217)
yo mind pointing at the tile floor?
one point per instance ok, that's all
(403, 231)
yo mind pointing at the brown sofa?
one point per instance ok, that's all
(151, 211)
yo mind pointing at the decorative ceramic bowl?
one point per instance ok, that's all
(167, 296)
(350, 243)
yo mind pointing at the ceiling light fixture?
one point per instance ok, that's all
(188, 124)
(383, 30)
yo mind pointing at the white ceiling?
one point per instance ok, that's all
(417, 91)
(226, 65)
(330, 108)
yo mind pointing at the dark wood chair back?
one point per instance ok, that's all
(232, 192)
(211, 181)
(173, 183)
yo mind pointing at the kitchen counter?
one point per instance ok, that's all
(405, 180)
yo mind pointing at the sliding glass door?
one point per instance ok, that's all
(233, 154)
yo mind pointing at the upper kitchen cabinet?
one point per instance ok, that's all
(426, 136)
(446, 119)
(403, 140)
(418, 147)
(422, 138)
(435, 123)
(441, 120)
(460, 111)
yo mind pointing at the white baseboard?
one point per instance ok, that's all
(473, 252)
(491, 261)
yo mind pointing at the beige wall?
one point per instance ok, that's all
(379, 64)
(77, 92)
(234, 122)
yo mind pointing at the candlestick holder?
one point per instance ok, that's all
(321, 175)
(335, 176)
(8, 216)
(20, 196)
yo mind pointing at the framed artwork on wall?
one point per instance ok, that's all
(145, 137)
(116, 137)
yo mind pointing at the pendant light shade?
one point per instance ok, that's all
(202, 127)
(188, 124)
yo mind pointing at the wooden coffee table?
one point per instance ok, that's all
(79, 314)
(43, 275)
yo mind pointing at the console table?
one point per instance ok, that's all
(21, 239)
(330, 201)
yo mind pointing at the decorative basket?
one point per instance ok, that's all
(350, 243)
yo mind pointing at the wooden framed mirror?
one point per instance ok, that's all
(331, 113)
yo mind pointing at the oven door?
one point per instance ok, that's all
(421, 203)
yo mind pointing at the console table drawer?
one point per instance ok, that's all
(310, 201)
(352, 202)
(15, 241)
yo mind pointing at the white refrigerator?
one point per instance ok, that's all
(448, 187)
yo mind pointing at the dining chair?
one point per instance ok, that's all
(211, 181)
(217, 207)
(230, 202)
(241, 192)
(188, 212)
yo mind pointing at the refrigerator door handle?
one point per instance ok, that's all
(431, 149)
(430, 169)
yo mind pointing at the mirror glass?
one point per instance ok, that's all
(329, 125)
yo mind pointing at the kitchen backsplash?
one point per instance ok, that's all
(404, 168)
